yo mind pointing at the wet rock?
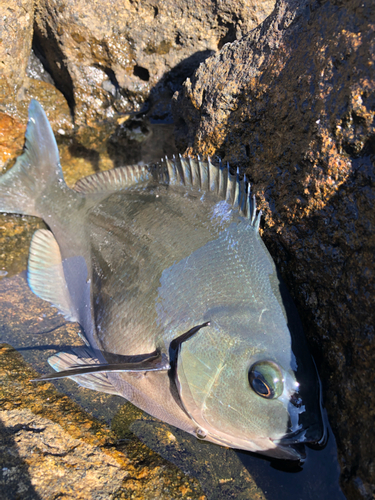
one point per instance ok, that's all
(49, 447)
(11, 139)
(16, 33)
(56, 463)
(16, 87)
(105, 58)
(36, 70)
(50, 98)
(16, 232)
(292, 103)
(137, 140)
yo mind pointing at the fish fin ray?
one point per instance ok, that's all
(63, 361)
(35, 170)
(114, 179)
(187, 171)
(45, 273)
(83, 366)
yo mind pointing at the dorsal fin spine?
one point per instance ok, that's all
(242, 196)
(195, 168)
(213, 174)
(171, 171)
(204, 174)
(236, 196)
(184, 169)
(179, 171)
(253, 210)
(223, 182)
(231, 187)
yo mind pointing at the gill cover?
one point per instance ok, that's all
(216, 394)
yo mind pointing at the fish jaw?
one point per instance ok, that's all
(273, 448)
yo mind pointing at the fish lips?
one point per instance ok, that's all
(292, 445)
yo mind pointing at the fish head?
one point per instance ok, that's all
(245, 388)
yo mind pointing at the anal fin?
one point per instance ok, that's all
(45, 274)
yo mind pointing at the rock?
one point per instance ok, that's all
(106, 57)
(292, 103)
(36, 70)
(57, 464)
(50, 98)
(16, 32)
(50, 447)
(16, 88)
(11, 139)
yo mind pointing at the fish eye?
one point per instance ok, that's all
(266, 380)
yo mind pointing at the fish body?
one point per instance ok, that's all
(181, 305)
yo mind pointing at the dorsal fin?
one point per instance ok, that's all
(194, 173)
(113, 180)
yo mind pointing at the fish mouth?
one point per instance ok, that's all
(293, 443)
(292, 452)
(296, 437)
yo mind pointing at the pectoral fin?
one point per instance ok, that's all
(89, 372)
(82, 356)
(45, 273)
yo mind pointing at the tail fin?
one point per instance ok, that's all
(35, 171)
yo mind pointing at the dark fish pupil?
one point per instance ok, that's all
(265, 379)
(260, 387)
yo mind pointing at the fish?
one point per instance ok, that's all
(183, 311)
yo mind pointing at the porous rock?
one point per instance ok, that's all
(57, 463)
(292, 103)
(51, 448)
(16, 88)
(105, 57)
(16, 32)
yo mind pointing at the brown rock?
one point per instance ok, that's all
(50, 98)
(50, 447)
(105, 57)
(57, 463)
(292, 103)
(11, 138)
(16, 32)
(16, 88)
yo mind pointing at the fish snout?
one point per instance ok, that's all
(314, 435)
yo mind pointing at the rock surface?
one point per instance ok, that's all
(101, 60)
(50, 448)
(57, 463)
(106, 57)
(16, 33)
(16, 87)
(292, 103)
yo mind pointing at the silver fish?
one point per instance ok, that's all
(182, 308)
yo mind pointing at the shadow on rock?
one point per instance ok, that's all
(15, 481)
(148, 136)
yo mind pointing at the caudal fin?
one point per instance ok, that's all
(36, 171)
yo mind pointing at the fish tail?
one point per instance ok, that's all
(36, 172)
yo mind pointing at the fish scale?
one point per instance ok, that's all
(183, 311)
